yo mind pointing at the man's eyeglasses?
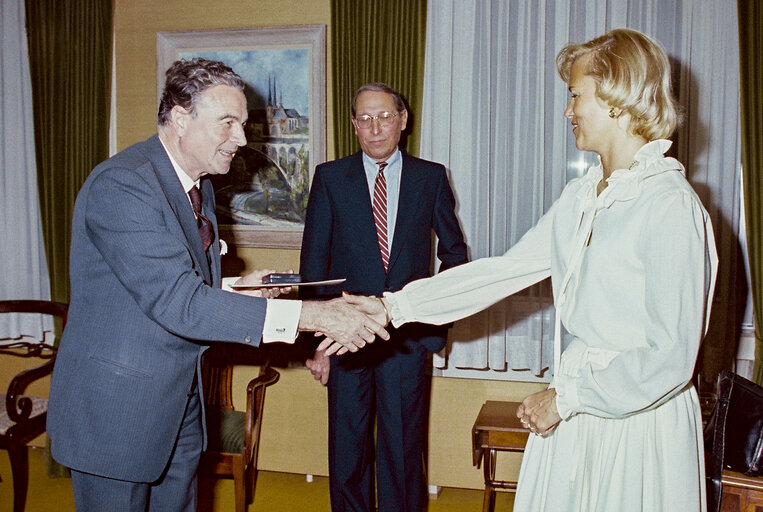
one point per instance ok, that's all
(385, 119)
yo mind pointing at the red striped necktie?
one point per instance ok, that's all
(206, 231)
(380, 213)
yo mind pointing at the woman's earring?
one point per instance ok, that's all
(612, 113)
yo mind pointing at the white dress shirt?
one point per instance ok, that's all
(392, 174)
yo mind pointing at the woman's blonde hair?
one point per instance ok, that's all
(633, 74)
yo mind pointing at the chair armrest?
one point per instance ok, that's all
(255, 403)
(19, 407)
(267, 377)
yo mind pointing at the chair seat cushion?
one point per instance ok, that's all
(225, 431)
(39, 406)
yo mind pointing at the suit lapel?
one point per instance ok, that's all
(178, 200)
(407, 205)
(209, 212)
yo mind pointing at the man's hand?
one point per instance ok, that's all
(370, 306)
(331, 347)
(346, 326)
(319, 366)
(254, 278)
(538, 412)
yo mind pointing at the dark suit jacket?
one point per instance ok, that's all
(144, 302)
(340, 235)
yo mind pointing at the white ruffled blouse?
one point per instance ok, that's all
(632, 270)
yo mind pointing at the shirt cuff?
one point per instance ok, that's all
(567, 400)
(399, 308)
(228, 282)
(281, 321)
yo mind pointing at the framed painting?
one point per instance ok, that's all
(261, 202)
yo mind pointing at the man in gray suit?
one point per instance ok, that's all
(146, 300)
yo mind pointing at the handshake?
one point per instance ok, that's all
(348, 322)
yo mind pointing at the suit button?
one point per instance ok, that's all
(248, 339)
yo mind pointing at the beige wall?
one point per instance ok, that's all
(294, 432)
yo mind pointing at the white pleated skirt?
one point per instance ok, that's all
(652, 461)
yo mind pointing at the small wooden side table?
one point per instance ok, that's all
(497, 428)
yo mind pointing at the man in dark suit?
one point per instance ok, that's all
(146, 300)
(370, 219)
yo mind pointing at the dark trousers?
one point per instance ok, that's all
(175, 491)
(388, 383)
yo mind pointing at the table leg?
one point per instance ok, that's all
(488, 502)
(489, 460)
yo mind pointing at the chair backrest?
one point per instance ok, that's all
(217, 375)
(45, 307)
(217, 382)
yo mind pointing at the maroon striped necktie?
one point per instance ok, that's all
(380, 213)
(206, 231)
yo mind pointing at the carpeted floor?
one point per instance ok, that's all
(276, 492)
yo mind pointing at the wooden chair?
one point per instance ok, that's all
(727, 490)
(233, 436)
(22, 418)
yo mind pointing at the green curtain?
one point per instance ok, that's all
(70, 64)
(377, 41)
(751, 86)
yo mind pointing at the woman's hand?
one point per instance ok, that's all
(538, 412)
(374, 307)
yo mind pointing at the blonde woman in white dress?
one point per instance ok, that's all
(631, 256)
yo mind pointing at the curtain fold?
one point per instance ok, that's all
(751, 87)
(22, 251)
(493, 114)
(70, 61)
(377, 41)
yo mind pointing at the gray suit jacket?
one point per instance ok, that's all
(145, 302)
